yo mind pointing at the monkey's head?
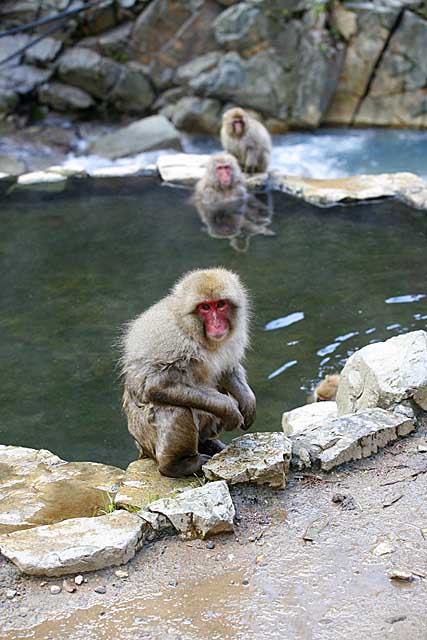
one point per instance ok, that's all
(327, 389)
(236, 122)
(212, 306)
(223, 171)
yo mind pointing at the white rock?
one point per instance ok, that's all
(40, 177)
(384, 374)
(200, 512)
(55, 589)
(76, 545)
(11, 593)
(349, 437)
(307, 416)
(257, 458)
(182, 167)
(115, 171)
(382, 549)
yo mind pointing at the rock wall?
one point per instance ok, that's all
(298, 63)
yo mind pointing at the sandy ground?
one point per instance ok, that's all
(266, 581)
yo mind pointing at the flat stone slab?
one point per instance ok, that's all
(37, 488)
(310, 415)
(384, 374)
(349, 437)
(198, 513)
(154, 132)
(142, 484)
(352, 188)
(76, 545)
(183, 168)
(256, 458)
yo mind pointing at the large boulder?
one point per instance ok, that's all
(373, 25)
(242, 27)
(397, 95)
(197, 115)
(155, 132)
(63, 97)
(77, 545)
(385, 374)
(37, 488)
(170, 33)
(89, 71)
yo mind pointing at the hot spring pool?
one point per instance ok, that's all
(76, 266)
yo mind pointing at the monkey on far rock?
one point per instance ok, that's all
(183, 378)
(246, 139)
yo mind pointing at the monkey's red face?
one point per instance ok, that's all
(224, 174)
(216, 317)
(238, 127)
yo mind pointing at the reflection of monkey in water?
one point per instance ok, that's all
(225, 206)
(247, 139)
(327, 388)
(183, 379)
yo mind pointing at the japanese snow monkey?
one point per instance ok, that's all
(183, 378)
(246, 139)
(327, 388)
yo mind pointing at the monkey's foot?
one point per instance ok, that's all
(211, 447)
(185, 466)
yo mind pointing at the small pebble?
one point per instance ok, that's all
(11, 593)
(78, 580)
(173, 583)
(210, 544)
(43, 583)
(120, 573)
(245, 581)
(68, 586)
(100, 589)
(251, 539)
(399, 574)
(55, 589)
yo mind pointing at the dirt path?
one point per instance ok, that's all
(266, 581)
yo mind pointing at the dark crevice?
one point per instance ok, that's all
(392, 31)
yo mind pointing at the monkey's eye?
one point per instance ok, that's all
(204, 306)
(221, 304)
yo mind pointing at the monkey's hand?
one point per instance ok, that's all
(233, 419)
(247, 406)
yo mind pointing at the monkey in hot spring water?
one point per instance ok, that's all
(184, 381)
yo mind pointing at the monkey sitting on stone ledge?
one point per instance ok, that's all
(183, 378)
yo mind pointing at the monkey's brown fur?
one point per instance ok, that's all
(327, 388)
(182, 388)
(252, 147)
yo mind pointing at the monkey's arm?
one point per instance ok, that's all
(234, 382)
(164, 389)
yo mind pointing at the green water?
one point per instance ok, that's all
(76, 266)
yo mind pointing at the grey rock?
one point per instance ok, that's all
(23, 79)
(397, 94)
(307, 417)
(155, 132)
(350, 437)
(363, 52)
(132, 92)
(197, 115)
(12, 44)
(242, 26)
(182, 168)
(200, 512)
(62, 97)
(55, 589)
(39, 488)
(12, 166)
(101, 589)
(256, 458)
(195, 67)
(9, 99)
(11, 593)
(76, 545)
(113, 43)
(44, 51)
(384, 374)
(234, 79)
(89, 71)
